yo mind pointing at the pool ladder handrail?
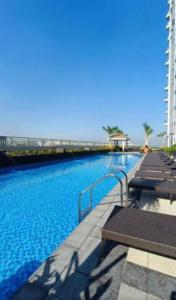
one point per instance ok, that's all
(92, 186)
(126, 183)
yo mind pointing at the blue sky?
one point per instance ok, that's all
(69, 67)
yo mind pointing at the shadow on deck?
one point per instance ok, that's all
(89, 280)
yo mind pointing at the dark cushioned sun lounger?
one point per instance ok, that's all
(159, 186)
(155, 175)
(143, 230)
(155, 162)
(159, 168)
(158, 162)
(169, 171)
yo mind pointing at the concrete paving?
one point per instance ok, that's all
(130, 293)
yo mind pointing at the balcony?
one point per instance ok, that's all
(168, 15)
(165, 123)
(168, 26)
(167, 63)
(166, 88)
(167, 52)
(166, 100)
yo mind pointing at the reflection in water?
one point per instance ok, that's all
(118, 161)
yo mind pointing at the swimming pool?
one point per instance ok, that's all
(39, 209)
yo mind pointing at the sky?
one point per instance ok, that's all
(69, 67)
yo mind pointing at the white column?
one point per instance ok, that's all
(123, 145)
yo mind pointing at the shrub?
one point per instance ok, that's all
(169, 149)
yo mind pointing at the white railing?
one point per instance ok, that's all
(8, 143)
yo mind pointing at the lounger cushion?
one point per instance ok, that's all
(144, 230)
(158, 175)
(153, 185)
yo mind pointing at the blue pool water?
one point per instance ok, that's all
(38, 210)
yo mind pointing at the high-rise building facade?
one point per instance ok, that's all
(170, 119)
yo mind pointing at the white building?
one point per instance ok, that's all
(170, 100)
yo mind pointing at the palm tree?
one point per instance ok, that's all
(162, 135)
(148, 131)
(112, 130)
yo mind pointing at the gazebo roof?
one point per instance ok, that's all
(118, 137)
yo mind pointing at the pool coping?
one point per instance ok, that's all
(83, 243)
